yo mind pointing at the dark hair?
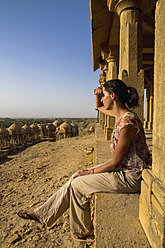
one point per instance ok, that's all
(127, 95)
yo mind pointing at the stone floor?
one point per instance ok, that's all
(116, 222)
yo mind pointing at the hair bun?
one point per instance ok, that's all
(133, 98)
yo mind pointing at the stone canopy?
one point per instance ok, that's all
(105, 28)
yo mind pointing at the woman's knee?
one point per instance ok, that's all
(79, 184)
(75, 182)
(79, 191)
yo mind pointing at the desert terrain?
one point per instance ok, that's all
(28, 179)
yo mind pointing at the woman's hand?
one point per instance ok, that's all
(81, 173)
(98, 92)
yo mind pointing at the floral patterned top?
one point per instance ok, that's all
(137, 157)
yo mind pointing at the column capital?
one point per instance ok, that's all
(103, 64)
(113, 54)
(104, 50)
(111, 5)
(110, 54)
(102, 78)
(122, 5)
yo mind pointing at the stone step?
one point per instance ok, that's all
(116, 221)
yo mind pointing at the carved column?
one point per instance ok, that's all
(130, 55)
(152, 198)
(102, 80)
(104, 67)
(110, 127)
(150, 108)
(98, 113)
(146, 108)
(109, 64)
(112, 60)
(103, 121)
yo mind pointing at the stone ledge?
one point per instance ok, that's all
(116, 221)
(152, 209)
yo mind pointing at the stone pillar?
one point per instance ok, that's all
(159, 93)
(130, 54)
(110, 127)
(98, 114)
(112, 60)
(102, 80)
(104, 67)
(105, 125)
(110, 69)
(146, 109)
(152, 199)
(100, 120)
(150, 122)
(103, 121)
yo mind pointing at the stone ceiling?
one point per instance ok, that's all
(105, 29)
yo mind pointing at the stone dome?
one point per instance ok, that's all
(65, 125)
(15, 127)
(34, 127)
(50, 127)
(74, 128)
(41, 126)
(74, 125)
(26, 129)
(57, 123)
(3, 132)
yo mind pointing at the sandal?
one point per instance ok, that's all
(25, 215)
(88, 238)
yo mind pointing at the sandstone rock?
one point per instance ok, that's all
(29, 239)
(36, 237)
(4, 234)
(66, 226)
(88, 152)
(28, 231)
(15, 231)
(15, 238)
(63, 231)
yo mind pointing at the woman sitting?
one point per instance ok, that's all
(120, 175)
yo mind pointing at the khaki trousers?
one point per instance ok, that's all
(76, 194)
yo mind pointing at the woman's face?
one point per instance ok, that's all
(107, 99)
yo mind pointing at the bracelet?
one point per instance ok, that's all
(92, 171)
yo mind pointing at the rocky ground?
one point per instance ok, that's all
(28, 178)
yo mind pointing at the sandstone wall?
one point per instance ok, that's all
(152, 199)
(158, 165)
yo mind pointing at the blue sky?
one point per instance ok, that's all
(46, 59)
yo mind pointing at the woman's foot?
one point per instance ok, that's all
(28, 215)
(87, 238)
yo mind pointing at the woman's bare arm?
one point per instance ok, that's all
(125, 138)
(99, 105)
(105, 111)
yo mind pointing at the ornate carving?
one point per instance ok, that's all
(127, 4)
